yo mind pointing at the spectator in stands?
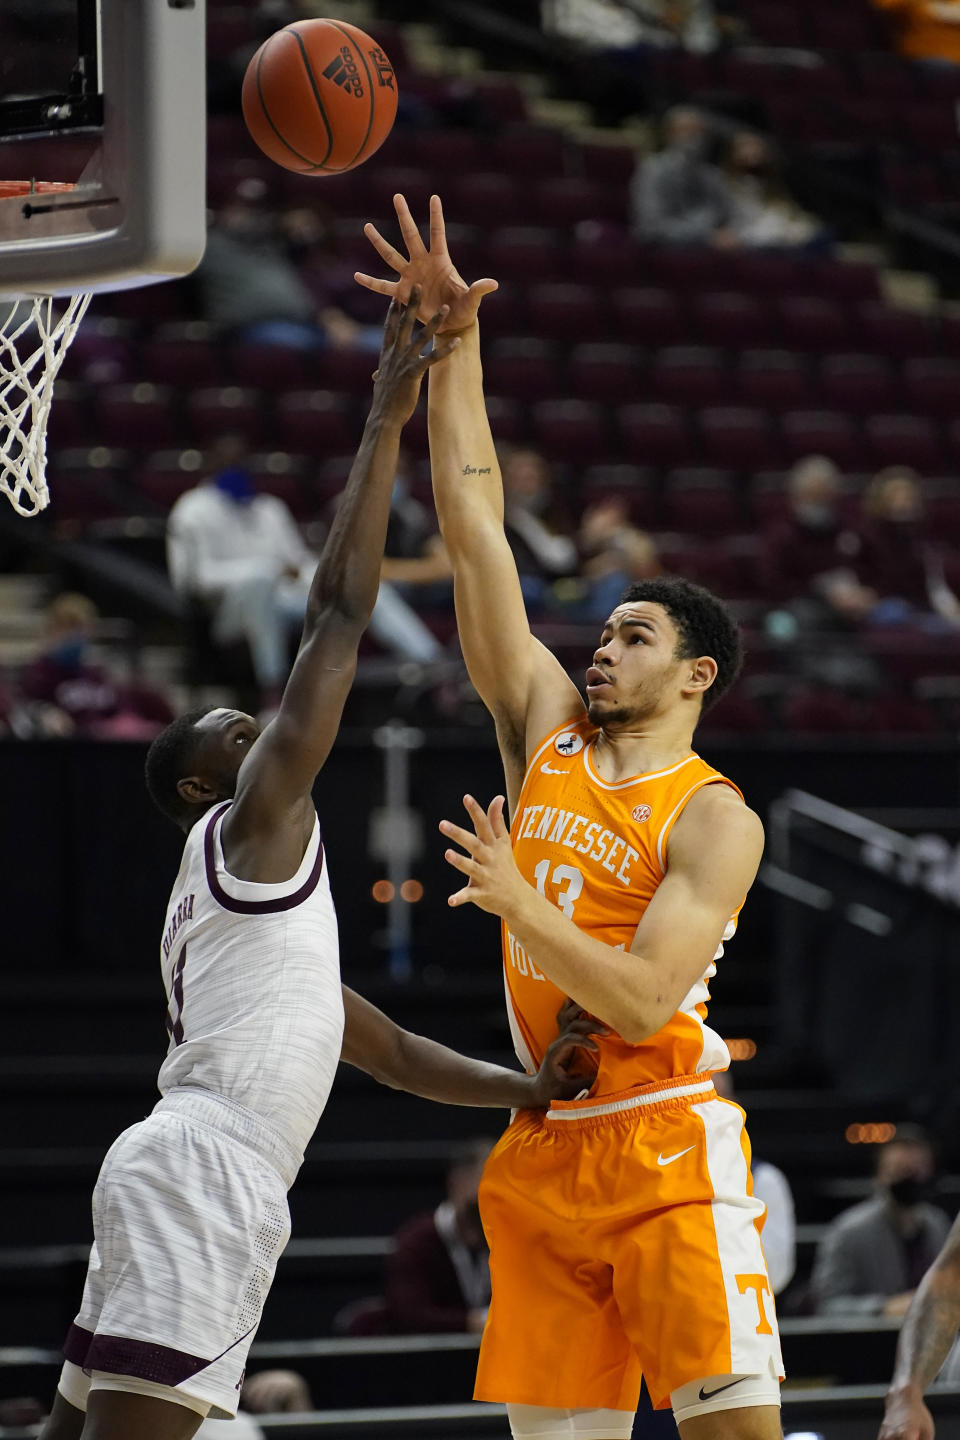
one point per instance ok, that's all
(809, 558)
(415, 559)
(772, 1187)
(925, 29)
(276, 1392)
(677, 197)
(763, 211)
(608, 25)
(614, 553)
(874, 1255)
(437, 1276)
(64, 692)
(240, 556)
(538, 534)
(250, 288)
(900, 560)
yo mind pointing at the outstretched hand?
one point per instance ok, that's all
(431, 269)
(403, 359)
(491, 871)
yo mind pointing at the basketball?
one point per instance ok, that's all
(319, 97)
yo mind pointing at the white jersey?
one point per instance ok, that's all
(252, 975)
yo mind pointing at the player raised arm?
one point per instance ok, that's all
(523, 686)
(928, 1333)
(404, 1061)
(713, 856)
(274, 783)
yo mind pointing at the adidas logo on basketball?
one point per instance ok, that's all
(343, 71)
(641, 813)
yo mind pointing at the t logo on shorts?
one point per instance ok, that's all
(758, 1284)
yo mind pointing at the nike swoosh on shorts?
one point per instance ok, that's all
(669, 1159)
(709, 1394)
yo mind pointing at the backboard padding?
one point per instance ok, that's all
(138, 214)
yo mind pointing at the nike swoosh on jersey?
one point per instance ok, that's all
(709, 1394)
(669, 1159)
(547, 769)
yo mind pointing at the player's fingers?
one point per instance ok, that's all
(486, 286)
(466, 838)
(464, 863)
(384, 249)
(466, 896)
(567, 1044)
(438, 232)
(495, 817)
(434, 323)
(372, 282)
(479, 817)
(409, 316)
(408, 226)
(440, 352)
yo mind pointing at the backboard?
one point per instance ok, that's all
(110, 95)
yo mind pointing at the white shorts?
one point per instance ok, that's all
(190, 1217)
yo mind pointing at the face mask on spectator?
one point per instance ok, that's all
(910, 1190)
(237, 483)
(817, 515)
(69, 651)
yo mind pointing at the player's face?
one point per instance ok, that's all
(635, 669)
(228, 737)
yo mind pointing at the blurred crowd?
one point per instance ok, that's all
(839, 565)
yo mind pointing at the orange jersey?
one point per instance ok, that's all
(599, 851)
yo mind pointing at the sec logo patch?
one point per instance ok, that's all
(641, 813)
(569, 743)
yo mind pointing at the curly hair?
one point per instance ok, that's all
(704, 626)
(169, 759)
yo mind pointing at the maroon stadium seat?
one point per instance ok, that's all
(738, 437)
(931, 385)
(524, 368)
(558, 310)
(821, 711)
(892, 330)
(822, 432)
(575, 431)
(730, 318)
(522, 253)
(634, 484)
(811, 322)
(140, 417)
(701, 501)
(904, 440)
(691, 375)
(497, 199)
(277, 367)
(526, 150)
(166, 474)
(220, 409)
(654, 434)
(183, 352)
(606, 371)
(647, 316)
(777, 379)
(861, 383)
(568, 200)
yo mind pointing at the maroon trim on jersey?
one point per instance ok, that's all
(118, 1355)
(255, 907)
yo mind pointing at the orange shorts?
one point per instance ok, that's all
(624, 1241)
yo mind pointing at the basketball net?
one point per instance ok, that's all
(33, 343)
